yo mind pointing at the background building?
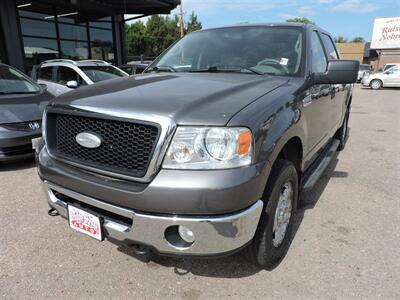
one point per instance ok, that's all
(35, 30)
(385, 42)
(352, 51)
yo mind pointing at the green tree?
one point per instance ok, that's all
(157, 34)
(340, 39)
(137, 38)
(193, 23)
(163, 31)
(358, 39)
(300, 20)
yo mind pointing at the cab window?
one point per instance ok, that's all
(318, 58)
(330, 47)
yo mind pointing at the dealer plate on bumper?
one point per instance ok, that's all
(85, 222)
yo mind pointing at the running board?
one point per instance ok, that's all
(320, 165)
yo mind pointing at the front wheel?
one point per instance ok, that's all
(376, 84)
(272, 238)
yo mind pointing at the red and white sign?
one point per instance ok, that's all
(84, 222)
(386, 33)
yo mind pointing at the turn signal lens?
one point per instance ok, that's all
(244, 142)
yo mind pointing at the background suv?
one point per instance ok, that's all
(363, 71)
(63, 75)
(135, 67)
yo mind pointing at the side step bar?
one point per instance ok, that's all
(318, 168)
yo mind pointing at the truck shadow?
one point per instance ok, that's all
(236, 266)
(17, 165)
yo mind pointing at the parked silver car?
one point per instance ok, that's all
(388, 78)
(63, 75)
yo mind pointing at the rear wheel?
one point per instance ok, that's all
(272, 238)
(376, 84)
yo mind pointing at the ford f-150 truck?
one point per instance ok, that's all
(206, 153)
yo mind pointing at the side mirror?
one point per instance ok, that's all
(338, 72)
(73, 84)
(43, 86)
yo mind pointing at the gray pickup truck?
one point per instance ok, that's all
(206, 153)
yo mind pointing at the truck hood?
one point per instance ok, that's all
(187, 98)
(23, 108)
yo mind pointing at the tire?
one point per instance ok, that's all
(343, 132)
(376, 84)
(268, 248)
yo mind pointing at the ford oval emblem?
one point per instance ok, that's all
(88, 140)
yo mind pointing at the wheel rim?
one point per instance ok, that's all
(282, 214)
(375, 84)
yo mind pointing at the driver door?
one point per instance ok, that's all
(316, 105)
(65, 74)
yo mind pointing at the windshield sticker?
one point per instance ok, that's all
(284, 61)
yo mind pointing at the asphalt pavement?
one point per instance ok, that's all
(346, 243)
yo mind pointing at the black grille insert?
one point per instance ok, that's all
(126, 147)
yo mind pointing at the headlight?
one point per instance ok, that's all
(44, 118)
(209, 148)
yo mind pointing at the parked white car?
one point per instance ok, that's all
(63, 75)
(388, 78)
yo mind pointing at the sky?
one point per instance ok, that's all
(350, 18)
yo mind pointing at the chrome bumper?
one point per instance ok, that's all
(213, 235)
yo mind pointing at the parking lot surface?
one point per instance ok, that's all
(346, 243)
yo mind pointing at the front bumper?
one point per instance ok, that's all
(171, 192)
(214, 235)
(16, 145)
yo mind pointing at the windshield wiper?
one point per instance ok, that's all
(220, 68)
(162, 69)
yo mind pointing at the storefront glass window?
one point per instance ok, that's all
(38, 50)
(74, 50)
(72, 32)
(2, 46)
(38, 28)
(47, 36)
(101, 44)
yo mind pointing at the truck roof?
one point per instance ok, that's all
(272, 24)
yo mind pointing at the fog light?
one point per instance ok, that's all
(186, 234)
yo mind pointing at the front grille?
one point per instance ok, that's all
(24, 126)
(126, 147)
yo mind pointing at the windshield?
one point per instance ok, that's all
(365, 68)
(100, 73)
(265, 50)
(14, 82)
